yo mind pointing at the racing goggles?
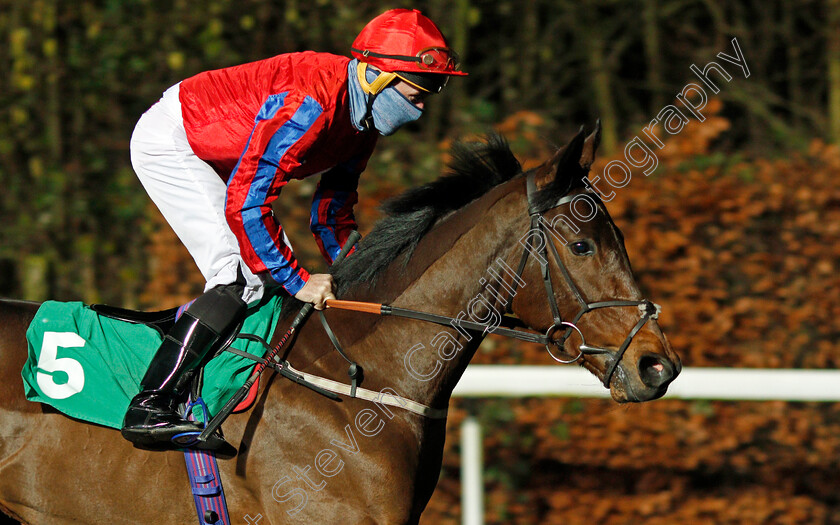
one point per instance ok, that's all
(433, 59)
(440, 59)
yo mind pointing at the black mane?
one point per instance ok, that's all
(474, 170)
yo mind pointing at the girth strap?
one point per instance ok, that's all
(206, 484)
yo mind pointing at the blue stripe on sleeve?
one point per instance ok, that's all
(283, 139)
(326, 229)
(272, 104)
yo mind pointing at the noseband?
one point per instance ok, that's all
(647, 309)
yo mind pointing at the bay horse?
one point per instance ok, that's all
(453, 247)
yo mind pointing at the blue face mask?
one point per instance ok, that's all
(390, 110)
(358, 97)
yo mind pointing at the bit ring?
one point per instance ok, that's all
(550, 332)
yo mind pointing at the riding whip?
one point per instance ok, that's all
(240, 394)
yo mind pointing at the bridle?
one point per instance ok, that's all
(647, 309)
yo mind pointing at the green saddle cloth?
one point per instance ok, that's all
(89, 366)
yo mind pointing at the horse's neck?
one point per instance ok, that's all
(453, 265)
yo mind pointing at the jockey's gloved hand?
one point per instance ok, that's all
(317, 290)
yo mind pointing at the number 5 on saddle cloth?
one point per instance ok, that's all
(89, 366)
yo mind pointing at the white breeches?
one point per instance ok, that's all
(189, 194)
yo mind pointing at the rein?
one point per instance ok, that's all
(647, 309)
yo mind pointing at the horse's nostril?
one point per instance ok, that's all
(655, 370)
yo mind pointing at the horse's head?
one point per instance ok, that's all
(568, 274)
(588, 301)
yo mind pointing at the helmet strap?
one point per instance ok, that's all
(372, 89)
(367, 121)
(381, 82)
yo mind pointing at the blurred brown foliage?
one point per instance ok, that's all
(567, 461)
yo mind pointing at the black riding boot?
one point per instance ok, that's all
(152, 418)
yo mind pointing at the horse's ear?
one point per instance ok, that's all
(564, 167)
(590, 146)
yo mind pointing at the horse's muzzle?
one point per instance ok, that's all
(650, 380)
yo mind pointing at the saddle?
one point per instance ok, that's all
(87, 362)
(162, 321)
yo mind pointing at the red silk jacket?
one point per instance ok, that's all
(265, 123)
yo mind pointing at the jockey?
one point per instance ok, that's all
(217, 149)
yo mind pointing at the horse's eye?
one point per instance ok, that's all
(582, 248)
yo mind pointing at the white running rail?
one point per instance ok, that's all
(731, 384)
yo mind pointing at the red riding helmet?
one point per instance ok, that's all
(408, 45)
